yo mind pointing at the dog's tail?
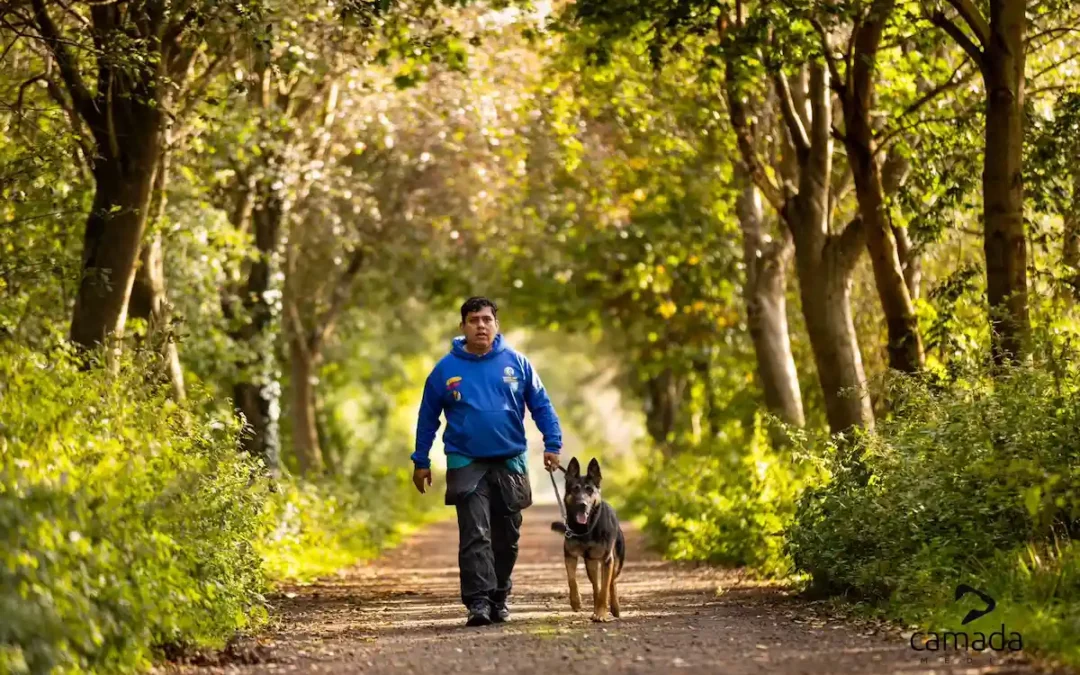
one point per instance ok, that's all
(558, 527)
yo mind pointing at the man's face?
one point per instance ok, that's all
(480, 329)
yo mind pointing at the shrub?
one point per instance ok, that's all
(956, 474)
(727, 502)
(976, 481)
(315, 528)
(127, 520)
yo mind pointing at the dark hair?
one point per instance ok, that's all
(475, 304)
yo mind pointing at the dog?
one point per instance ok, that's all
(592, 532)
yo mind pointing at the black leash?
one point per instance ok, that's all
(562, 507)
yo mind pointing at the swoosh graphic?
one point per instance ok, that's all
(964, 589)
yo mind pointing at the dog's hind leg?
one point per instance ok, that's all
(571, 578)
(613, 596)
(593, 568)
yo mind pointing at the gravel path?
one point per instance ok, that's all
(401, 614)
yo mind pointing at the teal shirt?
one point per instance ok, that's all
(517, 463)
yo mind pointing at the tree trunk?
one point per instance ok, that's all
(257, 389)
(113, 235)
(148, 296)
(124, 115)
(710, 420)
(1070, 245)
(1003, 190)
(825, 290)
(305, 428)
(909, 262)
(824, 262)
(905, 348)
(766, 308)
(664, 395)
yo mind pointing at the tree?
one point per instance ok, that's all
(855, 89)
(142, 56)
(998, 47)
(824, 259)
(765, 293)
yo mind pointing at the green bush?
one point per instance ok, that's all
(316, 528)
(126, 521)
(728, 502)
(976, 482)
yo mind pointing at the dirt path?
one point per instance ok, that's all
(401, 614)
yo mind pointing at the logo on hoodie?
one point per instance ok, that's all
(510, 377)
(452, 386)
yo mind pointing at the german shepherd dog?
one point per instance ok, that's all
(592, 532)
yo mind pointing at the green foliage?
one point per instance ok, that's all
(728, 502)
(318, 528)
(131, 523)
(127, 519)
(971, 481)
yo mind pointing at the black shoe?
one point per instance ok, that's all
(500, 613)
(479, 614)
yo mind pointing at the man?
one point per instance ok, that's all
(483, 387)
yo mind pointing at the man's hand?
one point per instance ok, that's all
(420, 477)
(551, 461)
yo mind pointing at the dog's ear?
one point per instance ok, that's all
(573, 470)
(594, 471)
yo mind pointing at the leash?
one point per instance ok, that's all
(562, 507)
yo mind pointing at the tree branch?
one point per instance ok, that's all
(85, 141)
(22, 92)
(838, 83)
(889, 137)
(1053, 65)
(961, 38)
(1029, 40)
(298, 331)
(791, 115)
(8, 48)
(745, 141)
(973, 18)
(193, 95)
(69, 71)
(328, 320)
(945, 86)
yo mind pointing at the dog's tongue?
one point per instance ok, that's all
(582, 518)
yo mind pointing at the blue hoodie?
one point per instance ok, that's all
(484, 398)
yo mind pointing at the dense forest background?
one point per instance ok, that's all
(805, 272)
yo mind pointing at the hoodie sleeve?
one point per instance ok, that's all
(543, 412)
(427, 423)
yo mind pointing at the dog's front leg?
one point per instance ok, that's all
(595, 574)
(571, 577)
(607, 574)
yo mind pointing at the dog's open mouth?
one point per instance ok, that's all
(581, 517)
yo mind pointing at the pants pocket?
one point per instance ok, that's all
(515, 490)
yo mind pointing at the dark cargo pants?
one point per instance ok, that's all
(489, 499)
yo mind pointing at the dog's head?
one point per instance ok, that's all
(582, 492)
